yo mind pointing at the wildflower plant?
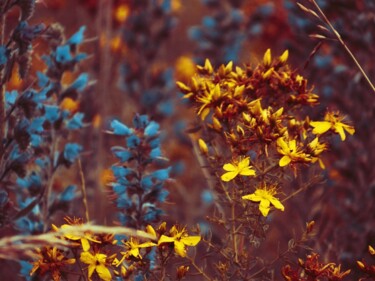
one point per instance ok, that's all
(138, 188)
(256, 136)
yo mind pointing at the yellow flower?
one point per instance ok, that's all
(180, 239)
(208, 99)
(315, 148)
(267, 58)
(266, 197)
(235, 169)
(203, 146)
(133, 247)
(284, 57)
(51, 260)
(332, 121)
(97, 262)
(290, 151)
(84, 238)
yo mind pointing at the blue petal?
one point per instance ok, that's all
(151, 129)
(121, 153)
(162, 174)
(42, 79)
(120, 129)
(120, 172)
(133, 141)
(140, 121)
(155, 153)
(77, 38)
(68, 194)
(72, 151)
(52, 113)
(10, 98)
(80, 83)
(76, 122)
(3, 55)
(63, 54)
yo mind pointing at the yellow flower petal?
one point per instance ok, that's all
(85, 244)
(151, 230)
(277, 204)
(264, 210)
(91, 270)
(267, 57)
(252, 197)
(229, 176)
(320, 127)
(247, 172)
(285, 160)
(165, 239)
(87, 257)
(340, 130)
(244, 163)
(103, 272)
(179, 248)
(191, 240)
(229, 167)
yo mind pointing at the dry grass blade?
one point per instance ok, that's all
(307, 10)
(317, 36)
(22, 246)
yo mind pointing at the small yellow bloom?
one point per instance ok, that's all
(284, 57)
(203, 146)
(290, 151)
(332, 121)
(51, 260)
(133, 247)
(180, 239)
(267, 58)
(315, 148)
(97, 262)
(234, 169)
(266, 197)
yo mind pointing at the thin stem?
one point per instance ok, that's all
(198, 268)
(338, 36)
(83, 188)
(234, 234)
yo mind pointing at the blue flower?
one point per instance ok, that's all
(162, 174)
(151, 129)
(121, 153)
(80, 83)
(133, 141)
(121, 172)
(63, 54)
(42, 79)
(10, 98)
(140, 121)
(120, 129)
(68, 194)
(52, 113)
(3, 55)
(25, 269)
(76, 121)
(155, 153)
(77, 38)
(72, 151)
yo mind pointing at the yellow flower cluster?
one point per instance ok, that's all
(100, 251)
(261, 109)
